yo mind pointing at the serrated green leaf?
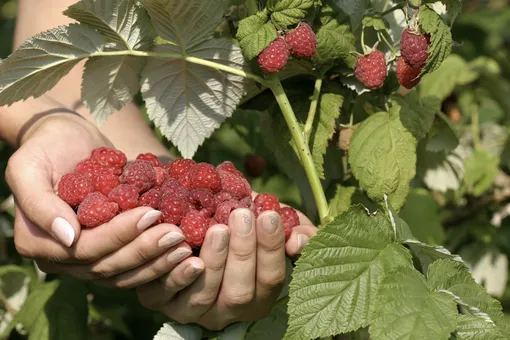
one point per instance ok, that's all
(288, 12)
(470, 327)
(109, 83)
(383, 157)
(440, 38)
(335, 42)
(442, 137)
(377, 22)
(186, 23)
(335, 281)
(416, 115)
(428, 254)
(187, 102)
(175, 331)
(342, 200)
(255, 33)
(41, 61)
(119, 21)
(481, 170)
(453, 7)
(355, 9)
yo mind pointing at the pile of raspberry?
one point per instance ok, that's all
(191, 195)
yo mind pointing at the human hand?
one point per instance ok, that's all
(119, 253)
(237, 277)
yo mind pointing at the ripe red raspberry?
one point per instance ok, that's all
(179, 167)
(274, 57)
(407, 76)
(149, 157)
(247, 202)
(110, 158)
(140, 174)
(125, 195)
(371, 69)
(264, 202)
(174, 189)
(224, 209)
(302, 41)
(74, 187)
(96, 210)
(89, 167)
(194, 227)
(236, 185)
(203, 200)
(173, 209)
(210, 222)
(185, 180)
(290, 219)
(222, 196)
(205, 176)
(161, 175)
(150, 198)
(414, 48)
(105, 180)
(229, 167)
(254, 165)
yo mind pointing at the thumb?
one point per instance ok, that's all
(32, 186)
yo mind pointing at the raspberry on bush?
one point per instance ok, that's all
(371, 69)
(302, 41)
(274, 57)
(414, 48)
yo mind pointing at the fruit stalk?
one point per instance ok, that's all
(313, 108)
(302, 148)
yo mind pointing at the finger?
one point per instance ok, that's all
(151, 270)
(199, 297)
(31, 184)
(299, 238)
(157, 294)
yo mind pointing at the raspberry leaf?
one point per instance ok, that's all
(288, 12)
(355, 9)
(119, 21)
(442, 137)
(255, 33)
(377, 22)
(272, 327)
(481, 170)
(336, 279)
(41, 61)
(471, 327)
(408, 308)
(109, 83)
(189, 101)
(342, 200)
(335, 42)
(175, 331)
(427, 254)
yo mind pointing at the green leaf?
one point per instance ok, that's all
(55, 310)
(273, 326)
(175, 331)
(355, 9)
(14, 286)
(481, 170)
(324, 128)
(376, 21)
(421, 212)
(335, 42)
(427, 254)
(442, 137)
(119, 21)
(470, 327)
(383, 157)
(336, 279)
(453, 7)
(109, 83)
(288, 12)
(255, 33)
(186, 23)
(440, 38)
(342, 200)
(41, 61)
(407, 308)
(187, 102)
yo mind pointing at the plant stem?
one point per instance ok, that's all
(253, 7)
(313, 109)
(394, 8)
(302, 148)
(475, 127)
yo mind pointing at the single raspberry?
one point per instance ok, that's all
(229, 167)
(110, 158)
(290, 219)
(247, 202)
(173, 210)
(371, 69)
(140, 174)
(74, 187)
(194, 227)
(96, 210)
(264, 202)
(302, 41)
(174, 189)
(407, 76)
(179, 167)
(105, 180)
(149, 157)
(274, 57)
(89, 167)
(185, 180)
(254, 165)
(125, 195)
(150, 198)
(224, 209)
(414, 48)
(161, 175)
(203, 200)
(210, 222)
(236, 185)
(205, 176)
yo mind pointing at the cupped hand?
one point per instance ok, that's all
(120, 253)
(237, 277)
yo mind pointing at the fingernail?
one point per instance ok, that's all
(270, 223)
(179, 255)
(170, 239)
(243, 222)
(63, 231)
(148, 219)
(192, 271)
(220, 239)
(302, 241)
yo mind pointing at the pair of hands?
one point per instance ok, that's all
(237, 276)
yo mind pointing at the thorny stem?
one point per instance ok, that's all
(313, 109)
(475, 127)
(302, 148)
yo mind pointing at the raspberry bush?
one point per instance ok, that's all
(355, 112)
